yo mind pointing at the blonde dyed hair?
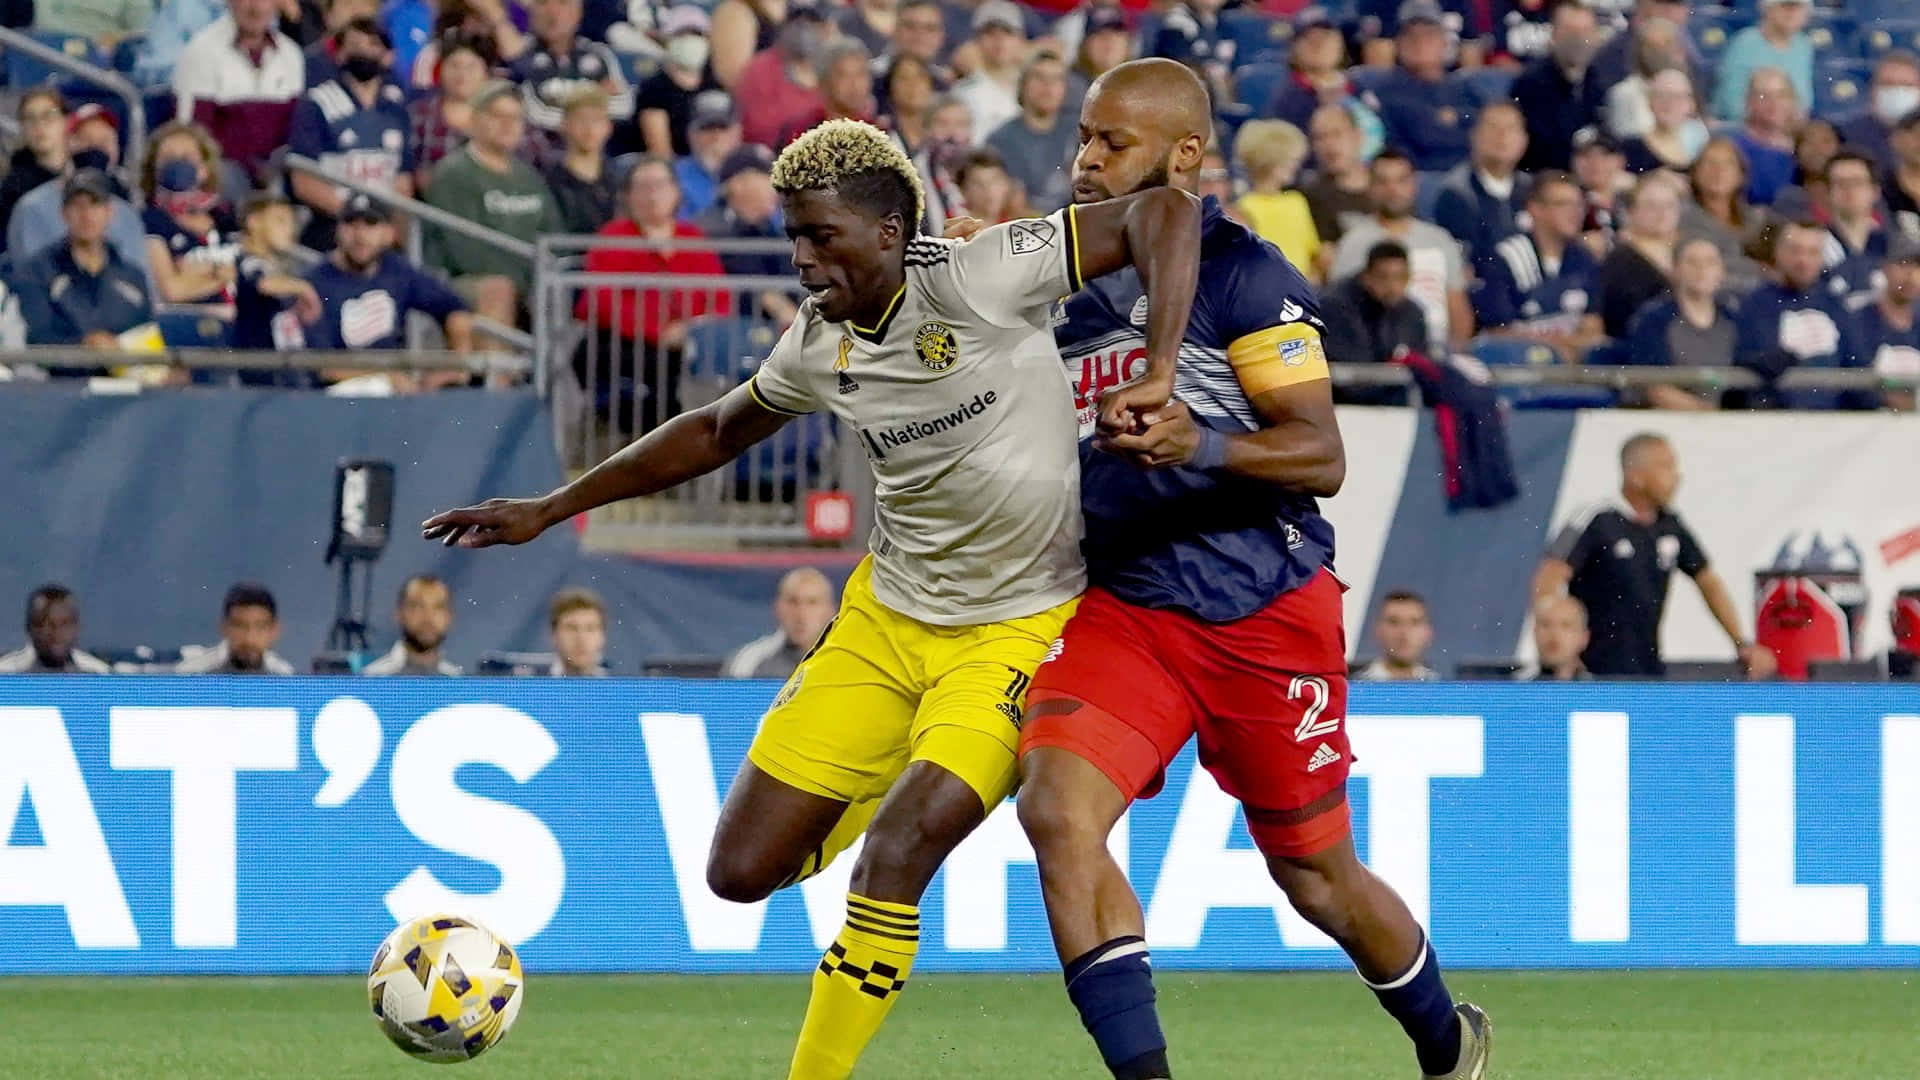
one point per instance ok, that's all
(837, 152)
(1265, 145)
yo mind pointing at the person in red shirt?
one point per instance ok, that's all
(630, 360)
(845, 72)
(779, 84)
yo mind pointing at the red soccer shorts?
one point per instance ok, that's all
(1126, 686)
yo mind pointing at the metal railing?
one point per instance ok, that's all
(112, 81)
(415, 210)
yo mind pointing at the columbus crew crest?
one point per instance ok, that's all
(935, 345)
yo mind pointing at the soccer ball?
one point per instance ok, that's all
(445, 988)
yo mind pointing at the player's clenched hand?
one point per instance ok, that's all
(1170, 436)
(1130, 409)
(962, 228)
(496, 521)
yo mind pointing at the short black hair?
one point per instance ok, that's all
(364, 24)
(45, 597)
(1547, 178)
(1393, 153)
(249, 594)
(400, 598)
(982, 158)
(1403, 596)
(1850, 153)
(1386, 251)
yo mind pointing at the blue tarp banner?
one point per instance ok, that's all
(283, 825)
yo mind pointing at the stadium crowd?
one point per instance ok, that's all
(1570, 181)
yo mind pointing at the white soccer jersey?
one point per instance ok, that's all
(957, 398)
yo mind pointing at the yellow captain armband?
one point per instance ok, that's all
(1278, 356)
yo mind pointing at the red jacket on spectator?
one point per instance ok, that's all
(769, 100)
(644, 313)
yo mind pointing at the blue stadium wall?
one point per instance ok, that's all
(158, 824)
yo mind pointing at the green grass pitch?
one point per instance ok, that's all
(1571, 1026)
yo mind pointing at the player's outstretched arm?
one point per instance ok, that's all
(1157, 232)
(689, 445)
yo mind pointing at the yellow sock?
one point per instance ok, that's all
(855, 986)
(853, 821)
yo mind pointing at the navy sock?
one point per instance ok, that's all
(1420, 1001)
(1112, 986)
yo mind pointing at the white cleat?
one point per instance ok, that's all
(1476, 1043)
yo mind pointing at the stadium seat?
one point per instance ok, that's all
(1874, 11)
(23, 71)
(1889, 34)
(1712, 28)
(1840, 86)
(1487, 85)
(1255, 85)
(1257, 37)
(193, 328)
(1834, 36)
(637, 67)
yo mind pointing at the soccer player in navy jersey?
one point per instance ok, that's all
(1213, 609)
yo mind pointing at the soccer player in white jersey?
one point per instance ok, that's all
(903, 722)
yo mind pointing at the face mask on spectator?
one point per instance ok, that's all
(687, 52)
(176, 184)
(91, 158)
(1890, 103)
(362, 68)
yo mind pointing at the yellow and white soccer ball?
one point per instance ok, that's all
(445, 988)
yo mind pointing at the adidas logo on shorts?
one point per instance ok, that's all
(1322, 757)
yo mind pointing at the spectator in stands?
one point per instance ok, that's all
(42, 155)
(635, 347)
(663, 105)
(1480, 201)
(1675, 137)
(1615, 558)
(920, 31)
(1794, 321)
(1657, 47)
(1371, 320)
(1404, 635)
(713, 132)
(272, 299)
(249, 626)
(1340, 187)
(907, 89)
(991, 92)
(1901, 192)
(1773, 115)
(558, 62)
(39, 218)
(1038, 145)
(425, 615)
(189, 227)
(355, 125)
(1813, 146)
(1884, 335)
(1559, 637)
(323, 57)
(583, 187)
(486, 183)
(749, 209)
(1558, 93)
(577, 621)
(1538, 286)
(1215, 180)
(239, 78)
(1777, 42)
(441, 118)
(949, 133)
(1720, 212)
(367, 289)
(1105, 44)
(744, 29)
(1269, 153)
(1692, 327)
(1894, 93)
(869, 22)
(1615, 61)
(1635, 271)
(803, 606)
(488, 24)
(53, 635)
(104, 22)
(1319, 61)
(82, 291)
(991, 194)
(1602, 171)
(174, 23)
(1422, 110)
(1439, 283)
(780, 82)
(1191, 33)
(1855, 244)
(844, 71)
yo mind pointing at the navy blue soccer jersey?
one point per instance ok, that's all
(370, 311)
(1217, 545)
(1520, 290)
(372, 145)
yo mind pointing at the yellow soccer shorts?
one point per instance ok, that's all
(881, 690)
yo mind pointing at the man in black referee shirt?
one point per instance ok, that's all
(1615, 557)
